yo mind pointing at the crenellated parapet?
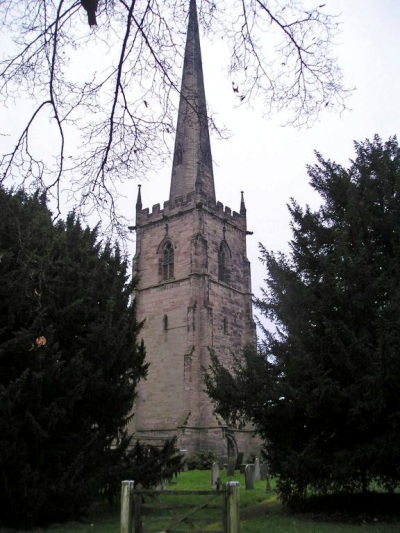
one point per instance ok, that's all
(186, 203)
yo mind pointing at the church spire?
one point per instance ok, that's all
(192, 164)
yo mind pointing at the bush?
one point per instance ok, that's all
(201, 460)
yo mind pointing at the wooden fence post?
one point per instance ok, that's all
(232, 507)
(126, 506)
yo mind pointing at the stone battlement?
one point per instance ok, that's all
(189, 201)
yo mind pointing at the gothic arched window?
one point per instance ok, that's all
(224, 257)
(165, 322)
(167, 261)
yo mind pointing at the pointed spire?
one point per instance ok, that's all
(192, 165)
(139, 200)
(242, 206)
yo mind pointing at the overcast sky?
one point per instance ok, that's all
(268, 161)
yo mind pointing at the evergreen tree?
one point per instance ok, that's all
(324, 388)
(70, 362)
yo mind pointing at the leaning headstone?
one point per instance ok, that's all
(230, 469)
(249, 477)
(214, 475)
(257, 473)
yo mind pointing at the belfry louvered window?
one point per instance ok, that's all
(224, 263)
(168, 261)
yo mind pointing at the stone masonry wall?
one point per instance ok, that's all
(202, 312)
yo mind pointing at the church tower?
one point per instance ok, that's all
(194, 289)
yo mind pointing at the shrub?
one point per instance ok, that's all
(201, 460)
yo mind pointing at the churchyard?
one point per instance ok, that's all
(260, 511)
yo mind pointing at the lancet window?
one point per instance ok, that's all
(167, 261)
(224, 261)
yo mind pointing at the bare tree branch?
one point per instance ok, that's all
(107, 97)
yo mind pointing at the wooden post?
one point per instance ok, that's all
(232, 507)
(126, 506)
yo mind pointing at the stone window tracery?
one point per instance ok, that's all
(167, 261)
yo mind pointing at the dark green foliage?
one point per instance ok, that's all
(201, 460)
(324, 389)
(358, 507)
(70, 362)
(146, 465)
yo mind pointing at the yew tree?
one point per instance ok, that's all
(323, 388)
(70, 361)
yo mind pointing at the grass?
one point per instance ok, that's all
(260, 512)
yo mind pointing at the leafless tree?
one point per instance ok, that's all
(105, 96)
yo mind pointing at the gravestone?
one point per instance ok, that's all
(161, 485)
(239, 460)
(230, 469)
(214, 475)
(257, 472)
(249, 477)
(264, 472)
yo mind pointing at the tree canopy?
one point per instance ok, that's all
(105, 100)
(323, 389)
(70, 361)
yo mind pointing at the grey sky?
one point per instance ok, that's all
(269, 161)
(265, 160)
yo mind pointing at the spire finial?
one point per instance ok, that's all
(192, 162)
(139, 200)
(242, 206)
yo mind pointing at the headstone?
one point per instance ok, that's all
(264, 471)
(161, 485)
(239, 460)
(230, 469)
(214, 475)
(249, 477)
(257, 473)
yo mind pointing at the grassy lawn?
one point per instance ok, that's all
(260, 513)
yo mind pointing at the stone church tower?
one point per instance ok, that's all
(194, 288)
